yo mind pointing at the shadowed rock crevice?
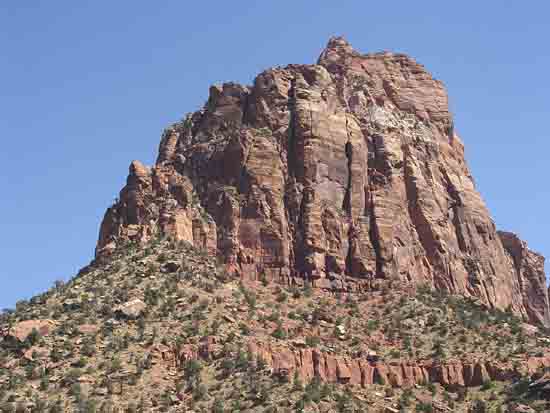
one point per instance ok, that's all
(420, 223)
(346, 205)
(374, 237)
(292, 199)
(456, 214)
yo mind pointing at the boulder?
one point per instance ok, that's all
(132, 309)
(88, 328)
(521, 408)
(21, 330)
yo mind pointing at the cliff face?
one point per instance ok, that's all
(341, 172)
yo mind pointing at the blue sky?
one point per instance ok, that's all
(85, 87)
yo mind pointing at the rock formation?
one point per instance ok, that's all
(307, 363)
(341, 172)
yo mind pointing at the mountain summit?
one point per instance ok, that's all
(311, 243)
(341, 173)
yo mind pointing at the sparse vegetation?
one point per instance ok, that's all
(189, 344)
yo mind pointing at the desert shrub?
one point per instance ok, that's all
(372, 325)
(242, 362)
(297, 382)
(279, 332)
(488, 385)
(313, 341)
(282, 297)
(424, 407)
(200, 392)
(72, 376)
(218, 406)
(75, 390)
(81, 362)
(479, 406)
(405, 399)
(192, 369)
(227, 366)
(312, 392)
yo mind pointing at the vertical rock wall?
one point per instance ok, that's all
(340, 172)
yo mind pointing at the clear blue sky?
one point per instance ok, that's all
(87, 86)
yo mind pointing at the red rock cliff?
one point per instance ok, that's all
(341, 172)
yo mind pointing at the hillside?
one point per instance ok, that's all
(163, 328)
(313, 242)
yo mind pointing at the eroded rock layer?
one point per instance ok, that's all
(340, 172)
(308, 363)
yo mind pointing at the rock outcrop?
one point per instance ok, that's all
(340, 172)
(529, 267)
(23, 329)
(308, 363)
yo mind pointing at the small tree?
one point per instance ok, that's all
(298, 386)
(242, 361)
(192, 369)
(218, 406)
(279, 332)
(200, 392)
(33, 338)
(313, 390)
(479, 406)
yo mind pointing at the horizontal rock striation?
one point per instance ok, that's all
(307, 363)
(341, 172)
(330, 368)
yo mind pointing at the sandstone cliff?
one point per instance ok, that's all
(341, 172)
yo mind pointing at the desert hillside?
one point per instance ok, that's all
(313, 242)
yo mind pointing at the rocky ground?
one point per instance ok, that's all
(163, 328)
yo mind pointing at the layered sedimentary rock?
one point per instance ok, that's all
(340, 172)
(308, 363)
(529, 268)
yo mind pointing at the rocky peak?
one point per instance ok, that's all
(529, 267)
(335, 52)
(139, 173)
(341, 173)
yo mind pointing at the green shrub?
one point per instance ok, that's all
(242, 362)
(424, 407)
(282, 297)
(479, 406)
(312, 392)
(313, 341)
(372, 325)
(75, 390)
(192, 369)
(279, 332)
(200, 392)
(488, 385)
(72, 376)
(81, 362)
(298, 386)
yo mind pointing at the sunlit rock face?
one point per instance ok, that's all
(342, 173)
